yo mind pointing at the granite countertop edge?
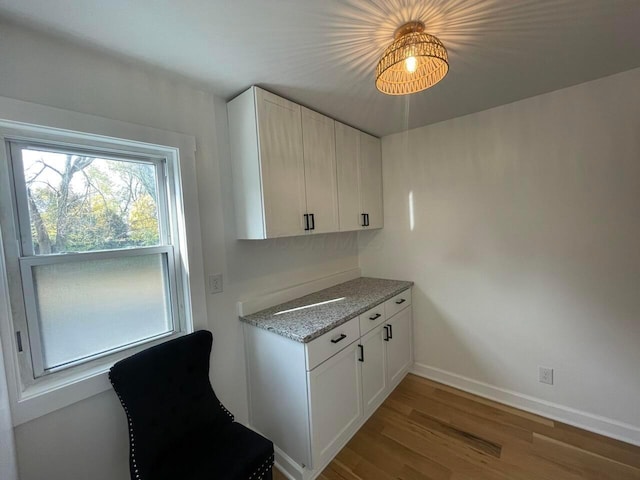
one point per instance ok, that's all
(403, 285)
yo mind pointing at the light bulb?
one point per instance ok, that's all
(411, 64)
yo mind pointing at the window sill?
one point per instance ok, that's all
(60, 390)
(41, 399)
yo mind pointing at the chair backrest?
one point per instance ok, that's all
(166, 394)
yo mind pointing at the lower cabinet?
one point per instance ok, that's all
(336, 402)
(373, 367)
(399, 351)
(310, 398)
(386, 356)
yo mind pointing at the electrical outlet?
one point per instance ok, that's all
(215, 283)
(545, 375)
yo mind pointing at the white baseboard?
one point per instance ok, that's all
(286, 466)
(587, 421)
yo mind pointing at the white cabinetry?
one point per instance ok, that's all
(398, 346)
(336, 403)
(319, 145)
(387, 350)
(310, 398)
(374, 369)
(266, 146)
(371, 180)
(285, 172)
(359, 164)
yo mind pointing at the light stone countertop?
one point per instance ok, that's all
(308, 317)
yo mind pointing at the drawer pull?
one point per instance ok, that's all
(390, 331)
(375, 317)
(400, 302)
(386, 331)
(339, 339)
(361, 359)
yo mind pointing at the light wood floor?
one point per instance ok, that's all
(428, 431)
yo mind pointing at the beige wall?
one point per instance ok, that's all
(89, 439)
(525, 249)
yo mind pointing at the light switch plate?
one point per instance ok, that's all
(215, 283)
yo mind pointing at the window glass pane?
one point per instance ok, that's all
(90, 307)
(82, 203)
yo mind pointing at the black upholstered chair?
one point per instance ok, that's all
(178, 429)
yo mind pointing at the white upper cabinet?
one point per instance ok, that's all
(347, 152)
(297, 172)
(359, 164)
(371, 180)
(268, 166)
(319, 143)
(282, 165)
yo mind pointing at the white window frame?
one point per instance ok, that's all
(28, 259)
(33, 396)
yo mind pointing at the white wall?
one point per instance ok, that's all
(89, 439)
(525, 249)
(8, 461)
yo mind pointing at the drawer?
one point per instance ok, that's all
(327, 345)
(397, 303)
(371, 319)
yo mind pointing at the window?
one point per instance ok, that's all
(98, 252)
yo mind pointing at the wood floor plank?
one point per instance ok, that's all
(495, 413)
(592, 442)
(589, 464)
(428, 431)
(477, 443)
(394, 459)
(480, 400)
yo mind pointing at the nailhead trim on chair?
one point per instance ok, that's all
(131, 437)
(262, 469)
(226, 411)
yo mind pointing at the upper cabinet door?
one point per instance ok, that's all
(371, 180)
(282, 165)
(297, 172)
(319, 144)
(347, 152)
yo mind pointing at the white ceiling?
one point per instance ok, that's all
(322, 53)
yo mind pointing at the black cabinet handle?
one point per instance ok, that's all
(390, 331)
(313, 221)
(339, 339)
(306, 222)
(361, 359)
(375, 317)
(367, 216)
(364, 219)
(386, 331)
(401, 301)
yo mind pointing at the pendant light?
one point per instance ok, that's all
(414, 61)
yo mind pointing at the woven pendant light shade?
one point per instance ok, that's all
(414, 62)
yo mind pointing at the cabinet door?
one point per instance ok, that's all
(371, 179)
(399, 346)
(374, 369)
(319, 143)
(281, 163)
(347, 152)
(335, 403)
